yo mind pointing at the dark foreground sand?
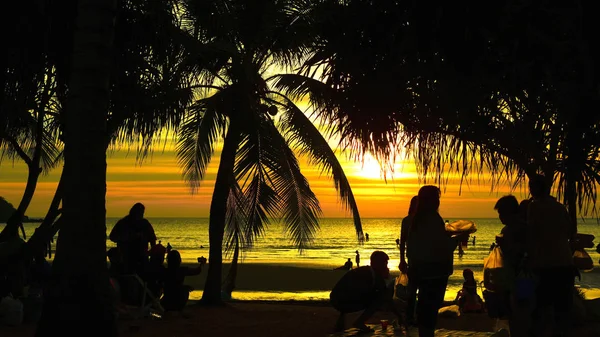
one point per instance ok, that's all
(254, 319)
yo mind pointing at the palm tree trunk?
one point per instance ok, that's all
(79, 291)
(216, 225)
(44, 233)
(232, 274)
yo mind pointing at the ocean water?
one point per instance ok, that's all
(334, 243)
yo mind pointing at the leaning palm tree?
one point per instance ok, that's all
(260, 127)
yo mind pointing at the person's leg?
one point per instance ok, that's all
(564, 282)
(431, 297)
(543, 304)
(411, 302)
(340, 324)
(370, 309)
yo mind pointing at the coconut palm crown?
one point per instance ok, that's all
(259, 176)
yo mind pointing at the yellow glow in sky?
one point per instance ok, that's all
(157, 183)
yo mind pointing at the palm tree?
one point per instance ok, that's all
(82, 240)
(259, 176)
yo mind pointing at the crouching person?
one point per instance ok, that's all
(363, 289)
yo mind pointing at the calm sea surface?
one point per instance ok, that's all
(335, 242)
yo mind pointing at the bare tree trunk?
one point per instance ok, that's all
(79, 291)
(45, 232)
(216, 225)
(229, 285)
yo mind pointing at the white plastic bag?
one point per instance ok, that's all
(401, 287)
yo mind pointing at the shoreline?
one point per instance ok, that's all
(306, 282)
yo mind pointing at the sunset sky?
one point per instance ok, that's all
(157, 183)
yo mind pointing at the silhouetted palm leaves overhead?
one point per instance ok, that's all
(258, 38)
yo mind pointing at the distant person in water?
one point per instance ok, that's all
(474, 237)
(176, 294)
(367, 237)
(492, 246)
(461, 252)
(363, 289)
(404, 230)
(430, 255)
(357, 259)
(132, 234)
(346, 266)
(169, 247)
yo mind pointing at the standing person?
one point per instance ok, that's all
(363, 288)
(474, 237)
(430, 258)
(132, 234)
(367, 237)
(549, 256)
(357, 259)
(411, 289)
(512, 243)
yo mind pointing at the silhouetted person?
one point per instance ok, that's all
(549, 255)
(474, 237)
(169, 247)
(467, 298)
(176, 294)
(363, 288)
(13, 264)
(411, 288)
(461, 252)
(492, 246)
(132, 234)
(155, 269)
(357, 259)
(367, 237)
(398, 243)
(430, 257)
(512, 242)
(346, 266)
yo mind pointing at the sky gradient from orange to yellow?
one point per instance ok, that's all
(157, 183)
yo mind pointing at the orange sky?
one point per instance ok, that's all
(157, 183)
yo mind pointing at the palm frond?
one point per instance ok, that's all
(304, 136)
(196, 139)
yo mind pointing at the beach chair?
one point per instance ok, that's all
(149, 305)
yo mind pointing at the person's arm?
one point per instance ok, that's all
(151, 234)
(116, 234)
(192, 271)
(403, 238)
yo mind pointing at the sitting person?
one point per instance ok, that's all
(467, 298)
(363, 288)
(346, 266)
(155, 270)
(176, 294)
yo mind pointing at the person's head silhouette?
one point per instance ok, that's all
(137, 211)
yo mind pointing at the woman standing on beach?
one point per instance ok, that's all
(430, 258)
(412, 290)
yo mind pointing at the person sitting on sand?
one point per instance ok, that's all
(467, 299)
(176, 294)
(346, 266)
(132, 235)
(363, 288)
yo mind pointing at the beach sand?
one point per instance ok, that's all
(253, 319)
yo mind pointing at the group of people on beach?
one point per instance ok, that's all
(137, 262)
(534, 295)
